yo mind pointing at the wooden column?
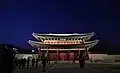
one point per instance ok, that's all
(57, 55)
(39, 53)
(87, 53)
(47, 52)
(42, 53)
(74, 55)
(69, 55)
(79, 52)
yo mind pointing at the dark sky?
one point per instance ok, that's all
(20, 18)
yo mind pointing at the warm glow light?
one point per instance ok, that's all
(65, 49)
(60, 42)
(33, 50)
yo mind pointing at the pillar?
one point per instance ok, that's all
(42, 53)
(39, 53)
(79, 52)
(69, 55)
(47, 52)
(57, 55)
(87, 53)
(74, 55)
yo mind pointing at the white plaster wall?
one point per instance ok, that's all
(98, 56)
(105, 57)
(26, 55)
(112, 58)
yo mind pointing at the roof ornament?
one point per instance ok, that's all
(29, 41)
(33, 33)
(93, 33)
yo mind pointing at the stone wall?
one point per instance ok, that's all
(26, 55)
(104, 57)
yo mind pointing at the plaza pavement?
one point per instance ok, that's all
(74, 68)
(34, 69)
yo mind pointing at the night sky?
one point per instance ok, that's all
(20, 18)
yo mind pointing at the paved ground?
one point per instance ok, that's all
(74, 68)
(33, 70)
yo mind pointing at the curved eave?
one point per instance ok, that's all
(92, 44)
(37, 36)
(62, 35)
(89, 44)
